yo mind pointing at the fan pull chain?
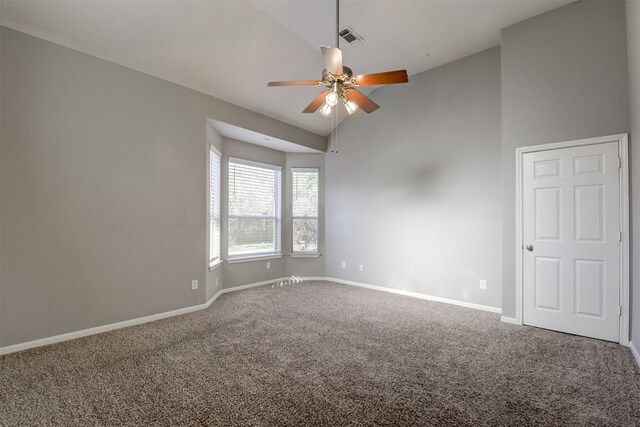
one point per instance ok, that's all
(333, 140)
(332, 143)
(334, 118)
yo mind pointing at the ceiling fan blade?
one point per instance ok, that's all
(332, 59)
(294, 83)
(316, 103)
(386, 78)
(361, 100)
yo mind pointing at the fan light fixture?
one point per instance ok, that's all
(340, 83)
(331, 99)
(326, 110)
(350, 106)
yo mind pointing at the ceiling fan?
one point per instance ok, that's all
(341, 84)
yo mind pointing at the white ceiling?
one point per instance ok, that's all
(230, 49)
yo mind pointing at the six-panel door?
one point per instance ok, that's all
(571, 253)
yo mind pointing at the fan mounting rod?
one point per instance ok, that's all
(338, 24)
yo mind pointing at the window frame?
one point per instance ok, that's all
(217, 260)
(277, 252)
(295, 253)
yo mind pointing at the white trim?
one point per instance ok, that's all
(138, 321)
(623, 152)
(213, 298)
(303, 170)
(625, 284)
(146, 319)
(248, 258)
(510, 320)
(634, 351)
(410, 294)
(519, 238)
(305, 254)
(215, 150)
(215, 264)
(254, 285)
(100, 329)
(214, 153)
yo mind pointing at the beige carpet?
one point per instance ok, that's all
(323, 354)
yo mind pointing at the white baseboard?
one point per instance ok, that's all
(126, 323)
(213, 298)
(146, 319)
(412, 294)
(253, 285)
(511, 320)
(318, 279)
(635, 352)
(100, 329)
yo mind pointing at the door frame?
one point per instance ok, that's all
(623, 154)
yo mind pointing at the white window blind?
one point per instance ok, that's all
(214, 206)
(254, 208)
(305, 210)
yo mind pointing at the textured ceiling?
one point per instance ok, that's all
(230, 49)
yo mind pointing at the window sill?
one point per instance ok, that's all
(305, 254)
(215, 265)
(253, 258)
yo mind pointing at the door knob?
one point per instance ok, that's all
(529, 248)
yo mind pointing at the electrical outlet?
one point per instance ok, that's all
(344, 264)
(361, 267)
(268, 265)
(483, 284)
(194, 285)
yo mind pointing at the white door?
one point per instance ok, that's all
(571, 230)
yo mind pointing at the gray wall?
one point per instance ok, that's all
(564, 77)
(1, 93)
(633, 47)
(413, 193)
(103, 184)
(103, 174)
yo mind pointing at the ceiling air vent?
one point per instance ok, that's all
(350, 36)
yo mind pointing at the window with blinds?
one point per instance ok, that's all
(305, 210)
(214, 206)
(255, 191)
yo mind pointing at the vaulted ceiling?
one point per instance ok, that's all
(230, 49)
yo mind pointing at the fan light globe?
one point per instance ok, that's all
(326, 110)
(331, 99)
(350, 106)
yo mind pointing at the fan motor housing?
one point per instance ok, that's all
(329, 78)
